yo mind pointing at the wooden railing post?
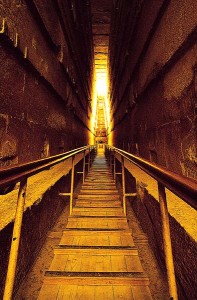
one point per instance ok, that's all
(114, 169)
(91, 155)
(123, 186)
(108, 155)
(72, 184)
(84, 165)
(15, 241)
(89, 160)
(167, 242)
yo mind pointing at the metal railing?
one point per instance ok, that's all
(21, 173)
(183, 187)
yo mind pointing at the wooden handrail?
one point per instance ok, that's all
(19, 172)
(182, 186)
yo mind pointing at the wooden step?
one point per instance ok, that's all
(96, 257)
(107, 179)
(97, 239)
(101, 209)
(132, 278)
(96, 197)
(98, 232)
(82, 217)
(97, 224)
(98, 188)
(108, 184)
(97, 211)
(97, 204)
(96, 250)
(99, 174)
(94, 292)
(98, 192)
(95, 260)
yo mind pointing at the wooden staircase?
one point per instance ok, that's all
(96, 257)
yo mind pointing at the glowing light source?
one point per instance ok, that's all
(101, 86)
(100, 103)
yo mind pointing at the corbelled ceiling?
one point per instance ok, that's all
(101, 18)
(101, 15)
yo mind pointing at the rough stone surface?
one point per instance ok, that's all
(42, 97)
(184, 247)
(38, 219)
(183, 224)
(153, 85)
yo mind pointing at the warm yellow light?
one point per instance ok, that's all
(101, 101)
(101, 86)
(94, 106)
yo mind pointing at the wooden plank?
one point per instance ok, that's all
(87, 264)
(133, 263)
(98, 238)
(141, 292)
(123, 292)
(99, 209)
(82, 263)
(49, 292)
(97, 201)
(99, 224)
(98, 192)
(86, 240)
(101, 182)
(67, 232)
(59, 262)
(73, 263)
(127, 241)
(99, 185)
(115, 240)
(69, 240)
(98, 213)
(112, 202)
(95, 178)
(106, 220)
(68, 292)
(84, 280)
(118, 263)
(85, 292)
(96, 257)
(87, 203)
(103, 293)
(96, 197)
(96, 187)
(94, 251)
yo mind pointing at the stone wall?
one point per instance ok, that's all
(184, 246)
(38, 219)
(46, 75)
(182, 225)
(153, 82)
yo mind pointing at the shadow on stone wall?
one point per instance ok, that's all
(37, 221)
(147, 211)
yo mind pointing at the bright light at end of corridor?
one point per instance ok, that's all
(101, 86)
(100, 101)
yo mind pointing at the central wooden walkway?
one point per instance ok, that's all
(96, 257)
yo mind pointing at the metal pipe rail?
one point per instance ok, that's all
(20, 173)
(182, 186)
(17, 173)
